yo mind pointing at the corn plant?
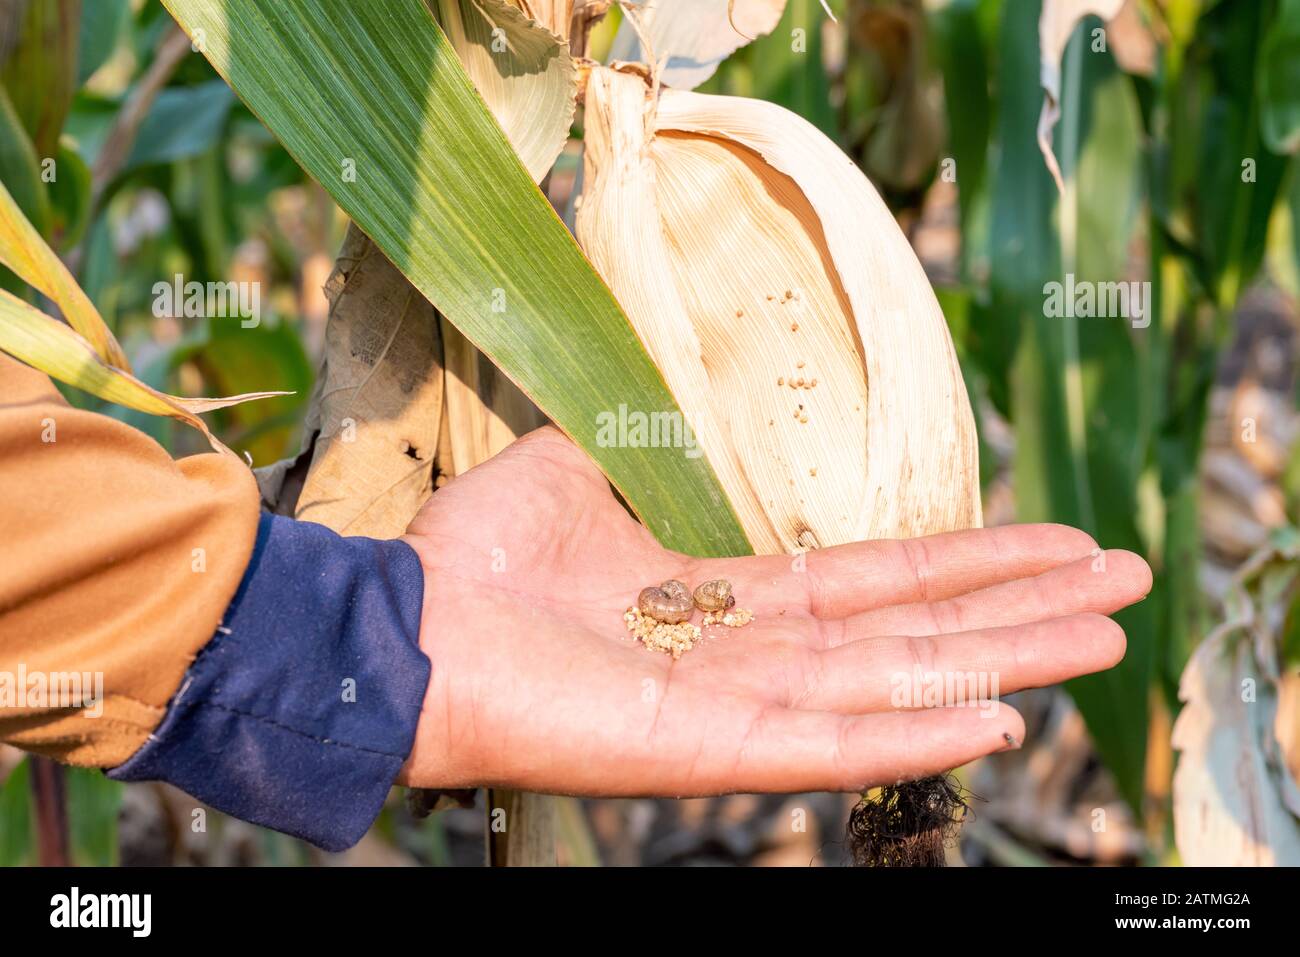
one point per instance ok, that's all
(820, 384)
(431, 136)
(1174, 164)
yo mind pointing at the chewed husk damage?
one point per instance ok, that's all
(732, 617)
(673, 639)
(677, 639)
(908, 824)
(731, 231)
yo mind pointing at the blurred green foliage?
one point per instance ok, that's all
(201, 191)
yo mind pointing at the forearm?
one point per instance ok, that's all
(118, 564)
(269, 667)
(300, 711)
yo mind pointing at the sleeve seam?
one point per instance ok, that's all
(291, 730)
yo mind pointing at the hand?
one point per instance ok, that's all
(530, 563)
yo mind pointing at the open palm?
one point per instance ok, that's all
(530, 563)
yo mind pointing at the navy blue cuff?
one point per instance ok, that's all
(301, 710)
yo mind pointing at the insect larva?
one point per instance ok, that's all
(670, 602)
(714, 596)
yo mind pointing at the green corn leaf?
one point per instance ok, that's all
(20, 169)
(16, 811)
(41, 71)
(1078, 400)
(1237, 175)
(70, 195)
(959, 41)
(185, 121)
(372, 101)
(102, 24)
(1279, 80)
(93, 805)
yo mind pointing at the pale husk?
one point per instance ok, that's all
(1056, 24)
(554, 15)
(1236, 793)
(688, 39)
(521, 68)
(485, 410)
(722, 224)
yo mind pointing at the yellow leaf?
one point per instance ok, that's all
(522, 70)
(45, 343)
(24, 251)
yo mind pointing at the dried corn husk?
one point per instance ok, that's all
(377, 407)
(554, 15)
(688, 39)
(1056, 24)
(521, 68)
(1236, 796)
(485, 410)
(749, 252)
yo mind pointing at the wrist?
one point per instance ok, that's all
(301, 709)
(440, 758)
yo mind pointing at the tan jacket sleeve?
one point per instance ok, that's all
(116, 565)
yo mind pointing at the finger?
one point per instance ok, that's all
(789, 751)
(1103, 584)
(850, 579)
(962, 670)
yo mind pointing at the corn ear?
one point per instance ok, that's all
(785, 309)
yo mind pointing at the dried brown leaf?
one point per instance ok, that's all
(378, 400)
